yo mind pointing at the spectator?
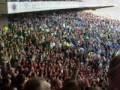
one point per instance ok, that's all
(114, 74)
(37, 84)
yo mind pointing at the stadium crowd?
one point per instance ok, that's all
(67, 50)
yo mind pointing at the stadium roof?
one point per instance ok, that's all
(21, 7)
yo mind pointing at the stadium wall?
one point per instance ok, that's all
(3, 8)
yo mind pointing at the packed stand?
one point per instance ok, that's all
(63, 48)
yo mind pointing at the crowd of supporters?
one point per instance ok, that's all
(67, 49)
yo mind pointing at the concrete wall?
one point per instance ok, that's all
(3, 8)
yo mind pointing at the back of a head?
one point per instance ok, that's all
(114, 73)
(20, 79)
(71, 85)
(37, 84)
